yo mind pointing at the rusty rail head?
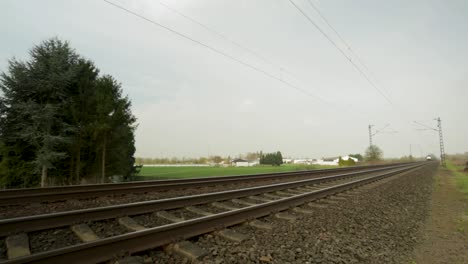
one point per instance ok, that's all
(107, 248)
(53, 220)
(21, 196)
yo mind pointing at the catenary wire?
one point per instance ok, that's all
(342, 39)
(220, 35)
(341, 51)
(217, 51)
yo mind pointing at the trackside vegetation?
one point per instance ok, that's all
(461, 177)
(274, 158)
(62, 121)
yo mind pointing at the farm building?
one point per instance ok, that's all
(302, 161)
(240, 163)
(333, 161)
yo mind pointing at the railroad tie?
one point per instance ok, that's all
(188, 250)
(281, 193)
(353, 192)
(231, 235)
(260, 225)
(269, 195)
(316, 205)
(239, 201)
(295, 191)
(326, 185)
(346, 195)
(84, 233)
(330, 201)
(261, 199)
(307, 189)
(168, 216)
(17, 246)
(130, 224)
(310, 188)
(224, 206)
(199, 211)
(285, 216)
(302, 210)
(338, 198)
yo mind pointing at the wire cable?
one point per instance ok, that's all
(220, 35)
(341, 51)
(341, 38)
(216, 51)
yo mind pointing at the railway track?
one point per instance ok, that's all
(50, 194)
(227, 208)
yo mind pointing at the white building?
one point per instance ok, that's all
(333, 161)
(347, 157)
(240, 163)
(303, 161)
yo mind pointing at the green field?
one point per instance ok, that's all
(155, 173)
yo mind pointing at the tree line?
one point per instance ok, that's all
(274, 158)
(62, 121)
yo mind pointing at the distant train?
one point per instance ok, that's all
(428, 158)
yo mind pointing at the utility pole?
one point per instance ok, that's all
(441, 139)
(370, 135)
(381, 130)
(410, 150)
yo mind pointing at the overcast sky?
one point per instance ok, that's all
(191, 101)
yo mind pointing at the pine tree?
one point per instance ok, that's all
(60, 120)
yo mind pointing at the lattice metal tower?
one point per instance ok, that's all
(370, 135)
(442, 148)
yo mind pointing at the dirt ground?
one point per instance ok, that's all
(444, 236)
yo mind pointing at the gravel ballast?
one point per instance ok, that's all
(52, 239)
(60, 206)
(378, 225)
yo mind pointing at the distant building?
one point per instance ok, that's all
(326, 162)
(240, 163)
(303, 161)
(254, 162)
(347, 157)
(333, 161)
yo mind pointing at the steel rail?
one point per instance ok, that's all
(19, 196)
(108, 248)
(101, 186)
(54, 220)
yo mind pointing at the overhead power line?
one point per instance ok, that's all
(228, 39)
(215, 50)
(341, 51)
(378, 131)
(441, 139)
(220, 35)
(341, 38)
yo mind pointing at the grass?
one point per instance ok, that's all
(155, 173)
(461, 178)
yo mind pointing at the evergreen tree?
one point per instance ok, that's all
(279, 158)
(275, 159)
(60, 120)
